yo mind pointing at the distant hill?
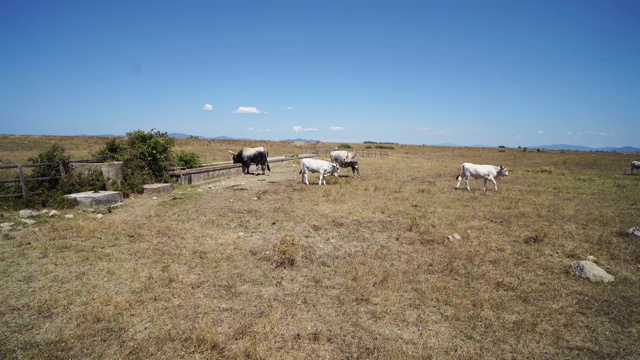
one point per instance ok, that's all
(585, 148)
(302, 140)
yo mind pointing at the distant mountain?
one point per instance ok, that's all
(302, 140)
(181, 135)
(585, 148)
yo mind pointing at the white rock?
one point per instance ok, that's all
(634, 232)
(68, 216)
(591, 258)
(454, 236)
(28, 221)
(154, 198)
(6, 225)
(591, 271)
(241, 234)
(99, 216)
(26, 213)
(44, 211)
(54, 213)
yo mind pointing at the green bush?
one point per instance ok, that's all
(50, 193)
(146, 157)
(344, 146)
(188, 160)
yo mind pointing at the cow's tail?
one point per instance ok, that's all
(266, 160)
(459, 177)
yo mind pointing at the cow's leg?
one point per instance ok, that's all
(495, 186)
(484, 187)
(458, 179)
(305, 178)
(466, 181)
(322, 178)
(358, 170)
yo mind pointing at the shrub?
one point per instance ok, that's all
(188, 160)
(537, 237)
(55, 155)
(146, 157)
(286, 251)
(50, 193)
(344, 146)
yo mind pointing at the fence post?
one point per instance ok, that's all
(24, 186)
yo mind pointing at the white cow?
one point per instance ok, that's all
(346, 159)
(486, 172)
(325, 168)
(635, 165)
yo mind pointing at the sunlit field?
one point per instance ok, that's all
(266, 267)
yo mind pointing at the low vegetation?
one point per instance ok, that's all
(264, 267)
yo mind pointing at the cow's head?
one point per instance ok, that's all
(236, 157)
(503, 171)
(334, 169)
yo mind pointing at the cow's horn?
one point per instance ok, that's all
(231, 151)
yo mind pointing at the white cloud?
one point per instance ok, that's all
(336, 128)
(519, 136)
(431, 132)
(250, 128)
(541, 132)
(568, 133)
(289, 107)
(207, 107)
(299, 128)
(248, 110)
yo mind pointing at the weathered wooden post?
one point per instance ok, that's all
(22, 181)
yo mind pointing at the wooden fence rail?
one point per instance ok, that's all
(23, 179)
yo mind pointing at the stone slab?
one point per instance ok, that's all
(92, 199)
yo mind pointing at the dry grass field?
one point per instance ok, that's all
(264, 267)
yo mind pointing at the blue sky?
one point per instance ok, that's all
(514, 73)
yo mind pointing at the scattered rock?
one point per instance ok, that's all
(68, 216)
(589, 270)
(634, 232)
(591, 258)
(154, 198)
(241, 234)
(44, 211)
(99, 216)
(54, 213)
(453, 236)
(27, 214)
(28, 221)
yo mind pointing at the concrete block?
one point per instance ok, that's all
(100, 199)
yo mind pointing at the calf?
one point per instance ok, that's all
(346, 159)
(635, 165)
(325, 168)
(487, 172)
